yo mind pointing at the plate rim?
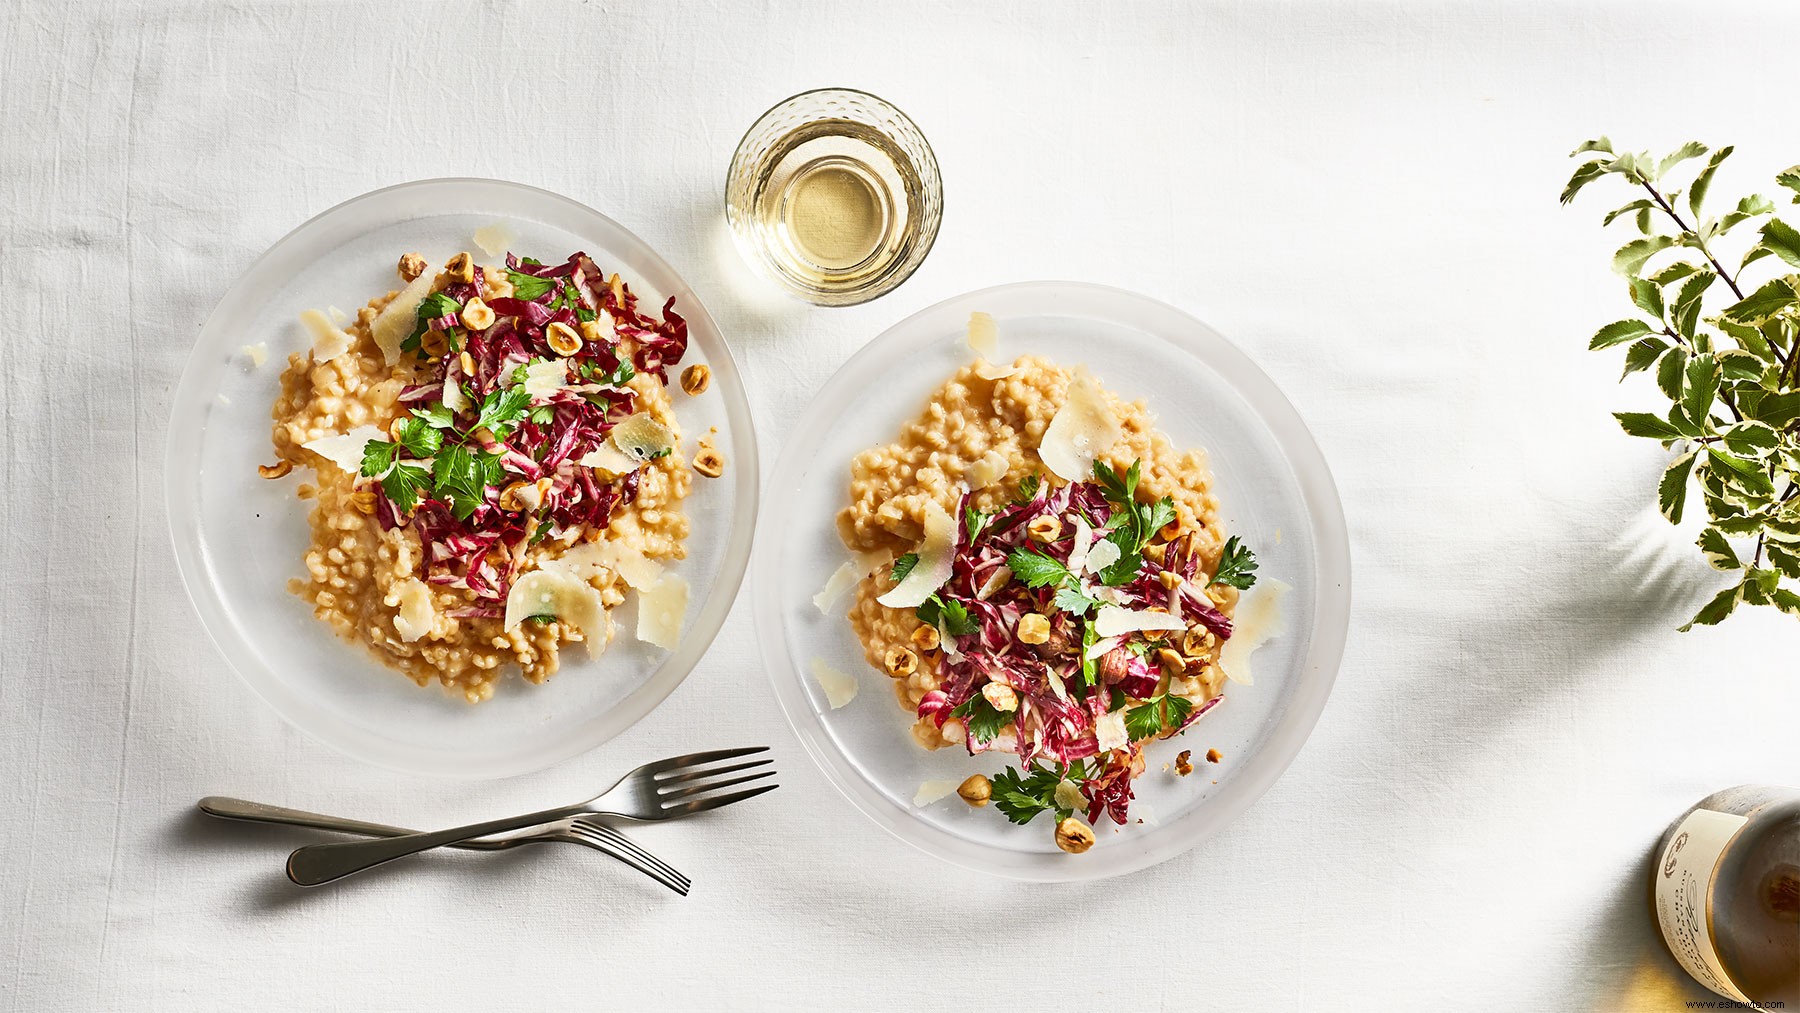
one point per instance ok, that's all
(186, 413)
(1330, 631)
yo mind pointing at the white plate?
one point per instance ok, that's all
(240, 538)
(1275, 490)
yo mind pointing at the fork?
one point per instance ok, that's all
(586, 833)
(665, 789)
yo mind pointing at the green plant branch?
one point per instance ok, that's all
(1699, 243)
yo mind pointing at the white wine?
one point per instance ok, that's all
(835, 195)
(1726, 893)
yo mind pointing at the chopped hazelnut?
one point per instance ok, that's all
(411, 266)
(467, 362)
(1074, 836)
(695, 378)
(562, 338)
(709, 462)
(1197, 642)
(1001, 696)
(1044, 529)
(1184, 762)
(460, 268)
(1156, 552)
(434, 344)
(1171, 661)
(1214, 756)
(476, 315)
(1170, 579)
(925, 638)
(1170, 531)
(363, 502)
(900, 662)
(1033, 629)
(1113, 666)
(976, 790)
(276, 470)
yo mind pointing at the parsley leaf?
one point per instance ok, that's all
(1120, 490)
(1036, 569)
(1089, 671)
(461, 477)
(903, 566)
(403, 485)
(1157, 515)
(1237, 565)
(438, 416)
(378, 457)
(1131, 559)
(529, 287)
(952, 615)
(620, 376)
(983, 719)
(501, 409)
(437, 304)
(974, 521)
(419, 437)
(1020, 797)
(1157, 716)
(543, 414)
(1028, 487)
(1072, 600)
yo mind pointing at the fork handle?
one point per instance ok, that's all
(318, 864)
(257, 812)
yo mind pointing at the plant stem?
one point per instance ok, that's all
(1718, 269)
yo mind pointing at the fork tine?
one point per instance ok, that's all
(655, 870)
(701, 805)
(604, 832)
(688, 760)
(689, 791)
(690, 775)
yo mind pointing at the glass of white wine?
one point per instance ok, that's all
(835, 195)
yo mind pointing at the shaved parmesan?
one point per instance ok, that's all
(611, 460)
(1109, 731)
(1079, 544)
(642, 438)
(1103, 555)
(843, 580)
(1081, 430)
(840, 687)
(989, 371)
(872, 560)
(257, 353)
(562, 595)
(591, 559)
(1259, 618)
(1100, 647)
(932, 791)
(936, 554)
(1068, 795)
(990, 469)
(494, 239)
(416, 615)
(346, 450)
(545, 377)
(338, 316)
(995, 582)
(661, 608)
(984, 335)
(397, 319)
(1112, 621)
(455, 398)
(329, 340)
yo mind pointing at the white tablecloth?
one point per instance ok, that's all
(1362, 195)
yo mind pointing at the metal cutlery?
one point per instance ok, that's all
(666, 789)
(587, 833)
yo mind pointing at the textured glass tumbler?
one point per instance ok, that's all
(835, 195)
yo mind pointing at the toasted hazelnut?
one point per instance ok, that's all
(523, 496)
(976, 790)
(925, 638)
(276, 470)
(1074, 836)
(1114, 665)
(1214, 756)
(695, 378)
(1001, 697)
(709, 462)
(1170, 531)
(1170, 579)
(411, 266)
(363, 502)
(1156, 552)
(434, 344)
(476, 315)
(900, 662)
(562, 338)
(460, 268)
(1171, 661)
(468, 364)
(1032, 629)
(1044, 529)
(1197, 641)
(1184, 762)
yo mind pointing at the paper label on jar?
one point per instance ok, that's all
(1683, 881)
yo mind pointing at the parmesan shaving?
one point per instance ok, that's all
(990, 469)
(840, 687)
(843, 580)
(455, 398)
(1113, 621)
(1079, 544)
(1068, 795)
(984, 335)
(417, 615)
(995, 582)
(872, 560)
(615, 463)
(936, 554)
(989, 371)
(933, 791)
(257, 353)
(494, 239)
(545, 377)
(591, 559)
(1100, 647)
(346, 450)
(1259, 618)
(1109, 731)
(329, 340)
(661, 608)
(397, 319)
(563, 595)
(1081, 430)
(1102, 555)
